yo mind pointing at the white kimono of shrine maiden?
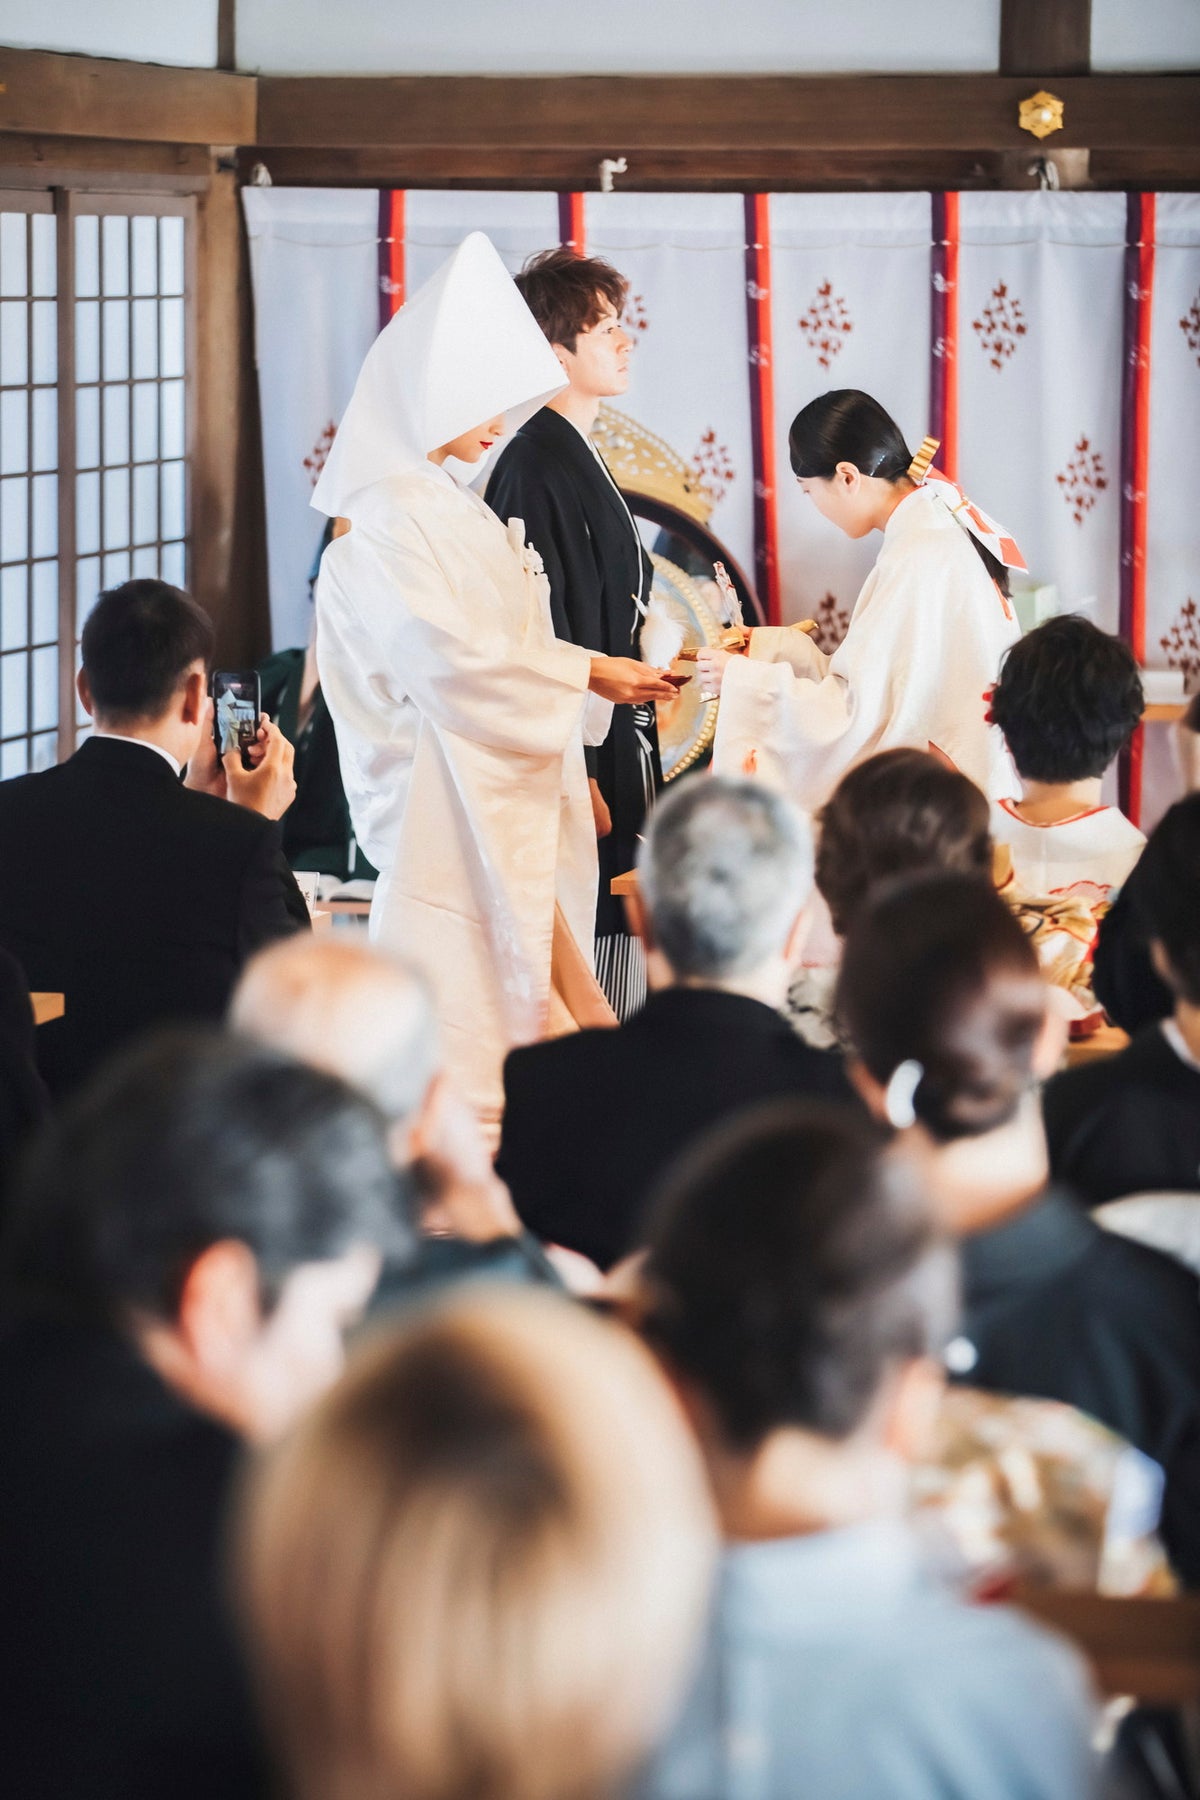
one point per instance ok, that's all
(459, 716)
(924, 643)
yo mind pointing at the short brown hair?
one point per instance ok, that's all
(566, 293)
(478, 1570)
(898, 813)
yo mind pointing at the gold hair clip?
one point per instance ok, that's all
(918, 468)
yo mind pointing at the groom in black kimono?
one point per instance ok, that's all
(551, 476)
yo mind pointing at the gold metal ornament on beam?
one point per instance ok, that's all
(1041, 114)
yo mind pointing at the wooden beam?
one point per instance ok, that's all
(619, 115)
(1045, 37)
(228, 573)
(86, 96)
(98, 163)
(227, 34)
(670, 171)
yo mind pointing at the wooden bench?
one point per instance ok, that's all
(47, 1007)
(1147, 1648)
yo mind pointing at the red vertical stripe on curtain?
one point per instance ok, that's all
(571, 229)
(762, 403)
(1135, 449)
(943, 360)
(391, 253)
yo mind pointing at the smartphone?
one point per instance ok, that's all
(237, 704)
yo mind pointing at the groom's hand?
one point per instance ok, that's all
(628, 682)
(600, 812)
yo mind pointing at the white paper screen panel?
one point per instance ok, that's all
(624, 37)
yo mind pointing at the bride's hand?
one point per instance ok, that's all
(628, 682)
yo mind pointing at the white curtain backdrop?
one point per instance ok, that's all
(684, 256)
(849, 309)
(435, 220)
(314, 261)
(1039, 358)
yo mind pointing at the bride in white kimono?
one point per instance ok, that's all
(460, 717)
(925, 638)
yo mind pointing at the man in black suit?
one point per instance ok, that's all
(131, 892)
(592, 1120)
(185, 1248)
(552, 476)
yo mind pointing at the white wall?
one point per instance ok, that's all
(179, 31)
(1145, 34)
(614, 37)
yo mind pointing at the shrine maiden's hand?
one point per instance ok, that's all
(711, 664)
(627, 682)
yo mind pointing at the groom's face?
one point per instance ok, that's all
(598, 367)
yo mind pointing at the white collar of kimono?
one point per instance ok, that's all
(463, 350)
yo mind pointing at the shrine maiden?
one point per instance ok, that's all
(926, 635)
(460, 718)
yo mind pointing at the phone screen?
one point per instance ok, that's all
(235, 710)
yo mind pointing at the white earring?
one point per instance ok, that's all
(901, 1093)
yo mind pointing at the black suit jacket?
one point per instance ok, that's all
(133, 896)
(1129, 1124)
(593, 1119)
(548, 477)
(118, 1662)
(1056, 1308)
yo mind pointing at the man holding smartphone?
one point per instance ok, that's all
(135, 894)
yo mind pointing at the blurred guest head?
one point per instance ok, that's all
(725, 874)
(223, 1206)
(479, 1567)
(937, 973)
(1168, 898)
(942, 999)
(798, 1291)
(894, 814)
(1068, 697)
(145, 651)
(366, 1016)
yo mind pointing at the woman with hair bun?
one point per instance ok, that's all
(942, 998)
(926, 635)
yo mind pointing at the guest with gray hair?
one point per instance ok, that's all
(361, 1013)
(592, 1120)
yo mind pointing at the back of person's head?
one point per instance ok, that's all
(566, 293)
(846, 425)
(477, 1570)
(725, 868)
(1067, 700)
(793, 1265)
(139, 643)
(188, 1140)
(1168, 895)
(346, 1007)
(936, 973)
(897, 813)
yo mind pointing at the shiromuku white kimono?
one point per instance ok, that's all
(925, 640)
(460, 717)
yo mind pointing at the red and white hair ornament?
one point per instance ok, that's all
(993, 537)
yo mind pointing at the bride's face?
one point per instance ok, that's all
(472, 445)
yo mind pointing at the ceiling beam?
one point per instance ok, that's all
(625, 116)
(1045, 37)
(93, 97)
